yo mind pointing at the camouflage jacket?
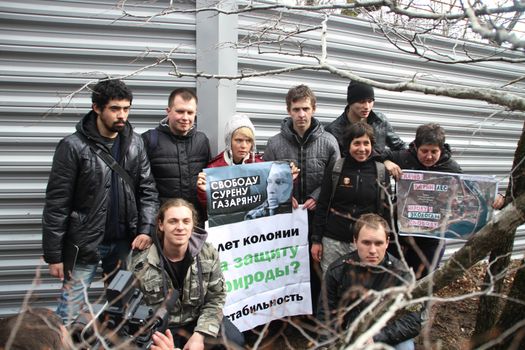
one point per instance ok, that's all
(203, 291)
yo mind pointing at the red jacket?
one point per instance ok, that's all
(220, 161)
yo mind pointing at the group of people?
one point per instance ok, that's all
(107, 184)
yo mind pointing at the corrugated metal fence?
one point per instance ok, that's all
(49, 49)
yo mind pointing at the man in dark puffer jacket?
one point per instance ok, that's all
(177, 151)
(304, 142)
(369, 267)
(91, 212)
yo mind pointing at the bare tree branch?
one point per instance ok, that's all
(498, 35)
(393, 6)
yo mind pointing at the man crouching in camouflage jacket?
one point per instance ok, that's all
(190, 265)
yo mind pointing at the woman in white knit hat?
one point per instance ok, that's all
(240, 149)
(239, 141)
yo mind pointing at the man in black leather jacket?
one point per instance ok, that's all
(94, 212)
(360, 102)
(369, 267)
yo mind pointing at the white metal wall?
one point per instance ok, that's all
(49, 49)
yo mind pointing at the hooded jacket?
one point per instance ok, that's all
(383, 131)
(176, 160)
(203, 290)
(78, 193)
(345, 281)
(312, 154)
(223, 159)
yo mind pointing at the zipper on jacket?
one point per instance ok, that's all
(302, 188)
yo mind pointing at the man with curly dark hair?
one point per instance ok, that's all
(101, 198)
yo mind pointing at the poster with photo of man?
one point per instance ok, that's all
(248, 191)
(443, 205)
(263, 244)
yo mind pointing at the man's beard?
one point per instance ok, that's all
(115, 127)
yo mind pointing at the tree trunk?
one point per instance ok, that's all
(489, 306)
(513, 313)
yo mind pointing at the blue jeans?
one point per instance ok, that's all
(74, 290)
(333, 250)
(406, 345)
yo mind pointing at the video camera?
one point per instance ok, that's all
(123, 315)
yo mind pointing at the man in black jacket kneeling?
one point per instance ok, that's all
(350, 278)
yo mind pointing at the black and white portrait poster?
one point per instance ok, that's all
(248, 191)
(262, 243)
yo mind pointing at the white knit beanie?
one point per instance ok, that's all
(237, 121)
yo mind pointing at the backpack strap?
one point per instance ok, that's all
(382, 187)
(153, 140)
(109, 160)
(336, 174)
